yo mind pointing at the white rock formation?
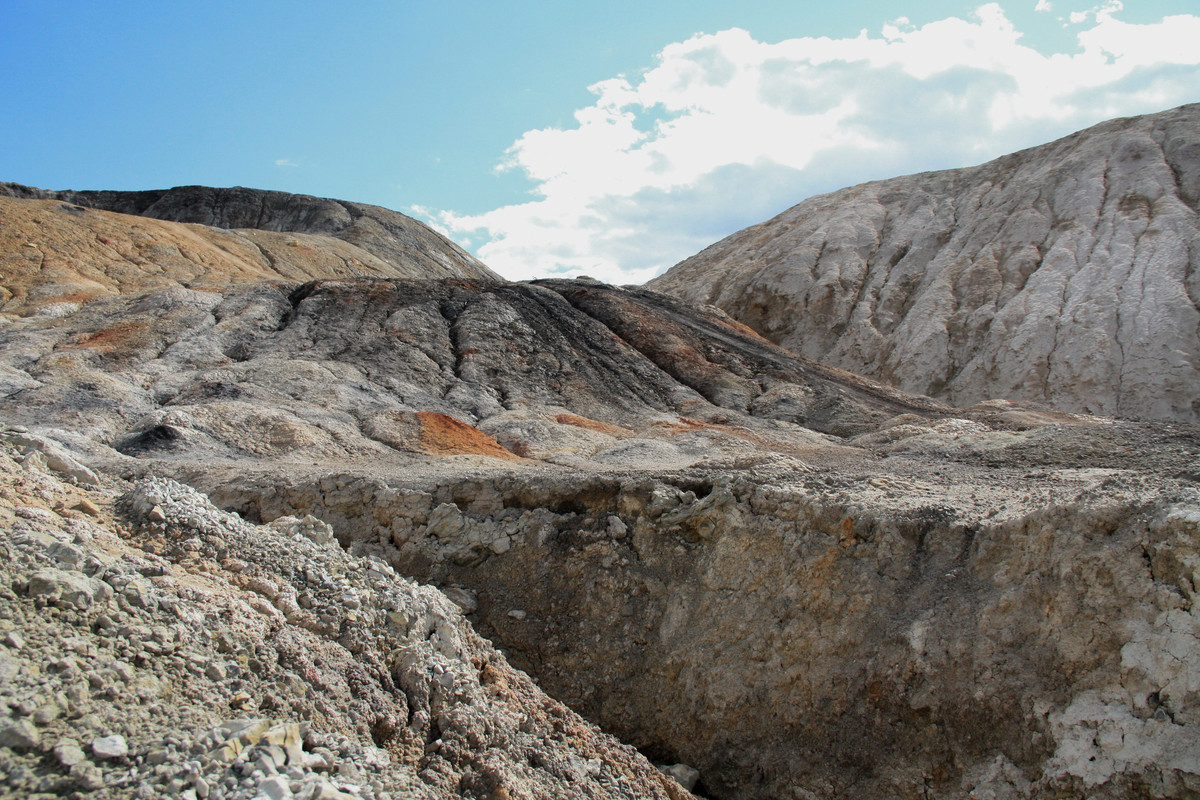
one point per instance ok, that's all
(1064, 274)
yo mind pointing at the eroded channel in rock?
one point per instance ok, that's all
(800, 633)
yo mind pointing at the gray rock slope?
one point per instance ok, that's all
(386, 234)
(1065, 274)
(382, 369)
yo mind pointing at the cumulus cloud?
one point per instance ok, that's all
(285, 162)
(725, 130)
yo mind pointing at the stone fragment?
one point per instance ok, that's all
(684, 775)
(287, 740)
(19, 734)
(321, 789)
(110, 747)
(9, 667)
(88, 776)
(68, 753)
(616, 527)
(57, 457)
(310, 527)
(46, 713)
(463, 598)
(87, 507)
(67, 554)
(275, 788)
(68, 589)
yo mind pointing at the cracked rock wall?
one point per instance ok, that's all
(1064, 274)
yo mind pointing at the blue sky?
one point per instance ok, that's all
(612, 139)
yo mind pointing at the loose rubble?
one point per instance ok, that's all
(168, 649)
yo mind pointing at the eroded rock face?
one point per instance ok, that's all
(383, 369)
(918, 627)
(1065, 274)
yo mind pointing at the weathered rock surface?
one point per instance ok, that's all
(58, 249)
(1066, 274)
(970, 614)
(621, 491)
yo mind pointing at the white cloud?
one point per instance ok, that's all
(725, 131)
(285, 162)
(1042, 5)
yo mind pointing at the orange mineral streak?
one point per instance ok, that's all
(590, 424)
(119, 337)
(442, 435)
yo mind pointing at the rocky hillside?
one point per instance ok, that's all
(768, 575)
(1066, 274)
(268, 534)
(68, 246)
(371, 369)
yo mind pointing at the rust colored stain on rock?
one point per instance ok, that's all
(590, 424)
(114, 338)
(445, 435)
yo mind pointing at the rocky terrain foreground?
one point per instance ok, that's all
(155, 646)
(291, 535)
(1067, 274)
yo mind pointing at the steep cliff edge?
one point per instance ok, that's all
(1064, 274)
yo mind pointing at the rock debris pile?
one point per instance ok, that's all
(157, 647)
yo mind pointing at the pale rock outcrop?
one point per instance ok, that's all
(1065, 274)
(955, 620)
